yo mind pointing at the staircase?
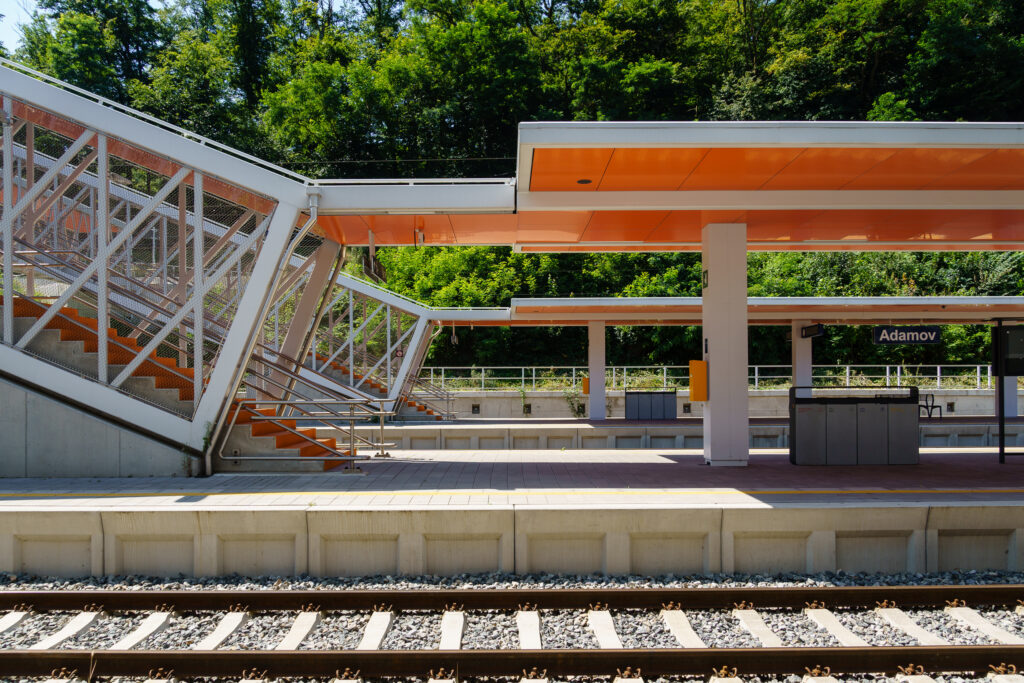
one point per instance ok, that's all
(70, 339)
(409, 408)
(259, 432)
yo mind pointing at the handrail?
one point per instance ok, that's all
(761, 377)
(152, 120)
(280, 421)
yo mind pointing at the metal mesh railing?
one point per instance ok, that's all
(153, 255)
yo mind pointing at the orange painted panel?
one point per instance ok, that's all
(560, 169)
(343, 229)
(622, 226)
(738, 168)
(552, 226)
(678, 226)
(911, 169)
(826, 169)
(999, 169)
(790, 229)
(650, 169)
(698, 380)
(484, 228)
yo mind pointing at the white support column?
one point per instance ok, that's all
(8, 219)
(198, 283)
(102, 228)
(248, 320)
(724, 318)
(802, 357)
(1009, 397)
(595, 364)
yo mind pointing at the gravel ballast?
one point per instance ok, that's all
(260, 632)
(104, 633)
(1008, 620)
(796, 629)
(34, 628)
(490, 630)
(563, 629)
(414, 631)
(874, 629)
(497, 580)
(950, 628)
(719, 628)
(337, 631)
(643, 629)
(184, 631)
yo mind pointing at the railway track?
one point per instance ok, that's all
(269, 634)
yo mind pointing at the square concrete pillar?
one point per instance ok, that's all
(802, 357)
(598, 407)
(726, 413)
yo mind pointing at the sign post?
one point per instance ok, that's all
(1008, 358)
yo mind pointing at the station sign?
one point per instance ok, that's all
(908, 334)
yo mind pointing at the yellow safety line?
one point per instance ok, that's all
(518, 492)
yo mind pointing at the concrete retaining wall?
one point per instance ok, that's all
(766, 403)
(623, 540)
(539, 436)
(43, 437)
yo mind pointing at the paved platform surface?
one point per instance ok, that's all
(553, 478)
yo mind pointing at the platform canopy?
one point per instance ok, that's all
(859, 310)
(606, 186)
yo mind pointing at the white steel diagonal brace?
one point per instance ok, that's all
(249, 316)
(395, 390)
(198, 293)
(102, 257)
(47, 178)
(7, 223)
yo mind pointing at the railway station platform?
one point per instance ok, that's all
(622, 511)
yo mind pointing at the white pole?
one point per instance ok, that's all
(8, 225)
(102, 235)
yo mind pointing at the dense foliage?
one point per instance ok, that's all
(383, 88)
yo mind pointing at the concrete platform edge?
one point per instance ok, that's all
(647, 540)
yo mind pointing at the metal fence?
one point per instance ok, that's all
(762, 377)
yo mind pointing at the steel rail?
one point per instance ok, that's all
(482, 599)
(557, 663)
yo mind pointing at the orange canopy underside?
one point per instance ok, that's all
(777, 168)
(770, 229)
(682, 169)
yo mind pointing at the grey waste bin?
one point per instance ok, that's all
(828, 428)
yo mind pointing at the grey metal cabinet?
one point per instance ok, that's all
(841, 434)
(872, 433)
(808, 435)
(904, 432)
(650, 405)
(826, 428)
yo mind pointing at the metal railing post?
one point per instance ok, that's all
(899, 375)
(977, 377)
(938, 376)
(757, 377)
(888, 379)
(533, 379)
(847, 375)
